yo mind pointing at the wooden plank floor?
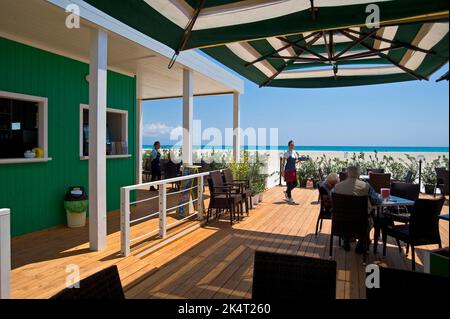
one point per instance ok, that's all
(215, 261)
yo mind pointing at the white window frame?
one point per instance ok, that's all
(43, 126)
(124, 114)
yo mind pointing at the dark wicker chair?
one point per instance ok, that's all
(406, 191)
(223, 198)
(409, 178)
(423, 227)
(409, 285)
(172, 170)
(103, 285)
(397, 214)
(442, 181)
(350, 219)
(379, 181)
(322, 178)
(343, 176)
(146, 170)
(375, 170)
(324, 212)
(290, 277)
(242, 185)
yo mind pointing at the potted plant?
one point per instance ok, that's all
(258, 187)
(76, 205)
(308, 170)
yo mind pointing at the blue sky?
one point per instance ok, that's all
(412, 113)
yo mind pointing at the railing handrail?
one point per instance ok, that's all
(125, 211)
(167, 181)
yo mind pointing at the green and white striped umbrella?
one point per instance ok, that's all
(345, 57)
(300, 43)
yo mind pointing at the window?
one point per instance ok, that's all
(23, 127)
(116, 133)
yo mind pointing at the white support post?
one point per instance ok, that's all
(139, 141)
(188, 115)
(124, 222)
(200, 198)
(139, 118)
(5, 254)
(162, 210)
(236, 128)
(97, 139)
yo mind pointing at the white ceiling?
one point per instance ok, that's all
(40, 24)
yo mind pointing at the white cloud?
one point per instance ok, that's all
(156, 129)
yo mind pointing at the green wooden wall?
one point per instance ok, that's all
(35, 191)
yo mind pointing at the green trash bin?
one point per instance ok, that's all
(76, 206)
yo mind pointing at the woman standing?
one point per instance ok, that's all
(155, 159)
(290, 159)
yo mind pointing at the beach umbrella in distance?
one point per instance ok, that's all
(300, 43)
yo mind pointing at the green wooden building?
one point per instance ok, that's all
(63, 66)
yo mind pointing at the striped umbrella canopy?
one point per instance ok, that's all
(301, 43)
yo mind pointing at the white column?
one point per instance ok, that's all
(139, 141)
(97, 139)
(139, 111)
(236, 128)
(5, 254)
(188, 115)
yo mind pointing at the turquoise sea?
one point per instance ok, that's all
(396, 149)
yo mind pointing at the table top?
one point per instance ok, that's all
(444, 217)
(394, 201)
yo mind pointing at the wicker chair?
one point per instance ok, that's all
(408, 285)
(396, 214)
(290, 277)
(409, 177)
(324, 212)
(350, 219)
(103, 285)
(375, 170)
(423, 227)
(343, 176)
(322, 178)
(243, 186)
(146, 170)
(172, 170)
(223, 198)
(442, 181)
(379, 181)
(406, 191)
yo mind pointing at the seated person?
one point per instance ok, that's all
(325, 189)
(353, 186)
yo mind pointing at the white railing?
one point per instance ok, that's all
(5, 254)
(163, 227)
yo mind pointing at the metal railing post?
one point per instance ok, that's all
(281, 170)
(5, 254)
(125, 221)
(200, 198)
(162, 210)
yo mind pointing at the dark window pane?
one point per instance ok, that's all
(18, 127)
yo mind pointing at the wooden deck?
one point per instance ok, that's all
(215, 261)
